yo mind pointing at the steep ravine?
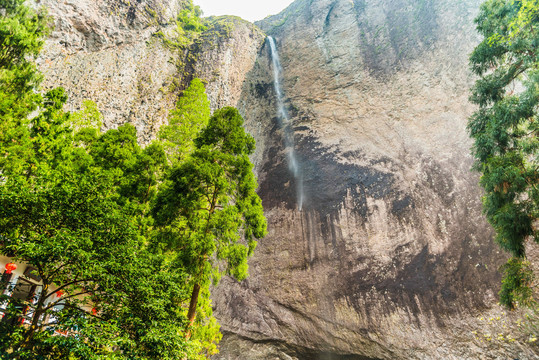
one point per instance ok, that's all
(389, 256)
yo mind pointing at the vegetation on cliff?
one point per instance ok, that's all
(185, 121)
(115, 254)
(189, 25)
(505, 130)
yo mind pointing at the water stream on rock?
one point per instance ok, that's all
(286, 125)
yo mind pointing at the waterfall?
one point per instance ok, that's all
(286, 126)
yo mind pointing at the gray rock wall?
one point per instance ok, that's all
(107, 52)
(390, 256)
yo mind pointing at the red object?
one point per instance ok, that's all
(59, 293)
(94, 311)
(10, 267)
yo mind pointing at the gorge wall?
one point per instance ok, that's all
(389, 256)
(107, 51)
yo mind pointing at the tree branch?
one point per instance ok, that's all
(66, 285)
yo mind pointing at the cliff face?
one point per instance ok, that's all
(107, 52)
(389, 256)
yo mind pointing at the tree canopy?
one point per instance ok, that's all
(73, 209)
(209, 208)
(505, 129)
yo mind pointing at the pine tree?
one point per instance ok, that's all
(505, 130)
(209, 210)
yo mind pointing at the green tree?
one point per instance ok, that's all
(75, 206)
(185, 122)
(74, 210)
(208, 210)
(526, 17)
(22, 33)
(88, 116)
(505, 128)
(189, 25)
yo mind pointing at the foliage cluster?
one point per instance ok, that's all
(505, 130)
(504, 328)
(186, 120)
(125, 240)
(21, 38)
(189, 26)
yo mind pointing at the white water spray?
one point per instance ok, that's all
(284, 121)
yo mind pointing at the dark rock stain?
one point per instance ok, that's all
(328, 17)
(439, 180)
(401, 205)
(326, 181)
(262, 89)
(131, 15)
(423, 282)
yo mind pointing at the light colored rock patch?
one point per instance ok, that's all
(107, 52)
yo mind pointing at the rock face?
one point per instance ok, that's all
(389, 256)
(107, 52)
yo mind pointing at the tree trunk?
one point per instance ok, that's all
(38, 311)
(193, 308)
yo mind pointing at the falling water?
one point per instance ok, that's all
(284, 121)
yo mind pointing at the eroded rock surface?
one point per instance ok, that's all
(107, 52)
(389, 256)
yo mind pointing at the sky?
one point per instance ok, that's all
(251, 10)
